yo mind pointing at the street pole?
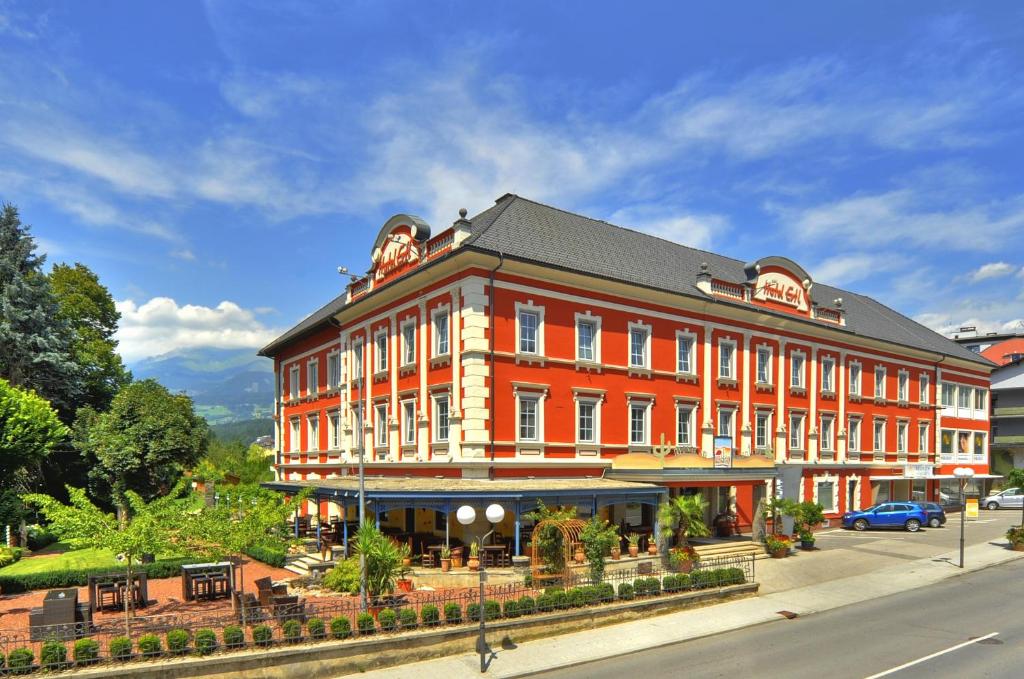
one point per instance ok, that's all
(362, 495)
(482, 641)
(963, 518)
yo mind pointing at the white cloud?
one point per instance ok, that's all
(162, 325)
(697, 231)
(843, 269)
(91, 209)
(992, 270)
(184, 254)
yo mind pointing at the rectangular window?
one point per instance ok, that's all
(333, 371)
(796, 431)
(293, 382)
(947, 444)
(903, 387)
(826, 433)
(979, 446)
(924, 388)
(726, 352)
(527, 419)
(409, 344)
(313, 432)
(441, 333)
(761, 430)
(979, 399)
(357, 361)
(879, 436)
(684, 354)
(725, 422)
(585, 331)
(441, 418)
(409, 423)
(827, 495)
(381, 425)
(334, 420)
(796, 365)
(855, 379)
(922, 438)
(853, 435)
(684, 429)
(381, 346)
(880, 381)
(901, 437)
(585, 423)
(312, 380)
(295, 435)
(964, 397)
(638, 424)
(948, 398)
(764, 365)
(528, 323)
(638, 348)
(827, 369)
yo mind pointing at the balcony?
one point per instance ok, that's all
(1015, 411)
(1008, 440)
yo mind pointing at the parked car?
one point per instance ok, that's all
(1011, 497)
(936, 514)
(904, 515)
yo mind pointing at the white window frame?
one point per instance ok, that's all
(595, 420)
(950, 389)
(796, 431)
(644, 328)
(440, 322)
(358, 352)
(646, 407)
(878, 441)
(856, 375)
(980, 394)
(538, 311)
(853, 430)
(312, 377)
(830, 363)
(880, 383)
(684, 414)
(524, 403)
(334, 370)
(334, 430)
(437, 420)
(726, 415)
(963, 390)
(827, 433)
(380, 358)
(408, 348)
(800, 374)
(689, 340)
(730, 367)
(923, 429)
(595, 323)
(834, 482)
(924, 383)
(902, 431)
(380, 425)
(409, 422)
(295, 434)
(903, 386)
(313, 431)
(766, 417)
(766, 350)
(293, 381)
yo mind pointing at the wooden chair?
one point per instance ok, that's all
(427, 560)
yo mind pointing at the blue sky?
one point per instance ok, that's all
(215, 162)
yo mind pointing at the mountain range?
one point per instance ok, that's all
(227, 385)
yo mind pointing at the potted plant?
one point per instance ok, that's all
(806, 515)
(446, 559)
(652, 547)
(682, 559)
(474, 556)
(634, 543)
(777, 545)
(806, 540)
(1016, 537)
(579, 556)
(616, 552)
(404, 582)
(457, 557)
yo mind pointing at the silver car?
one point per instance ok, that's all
(1011, 497)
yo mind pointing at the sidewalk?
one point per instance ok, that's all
(580, 647)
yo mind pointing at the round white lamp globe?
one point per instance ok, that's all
(495, 513)
(466, 515)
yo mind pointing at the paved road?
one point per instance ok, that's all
(872, 639)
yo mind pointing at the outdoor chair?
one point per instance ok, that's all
(427, 560)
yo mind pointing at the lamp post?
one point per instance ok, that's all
(963, 475)
(466, 515)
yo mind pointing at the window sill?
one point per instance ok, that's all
(583, 364)
(797, 454)
(530, 359)
(636, 371)
(797, 391)
(687, 377)
(880, 401)
(765, 387)
(380, 376)
(855, 398)
(407, 369)
(828, 395)
(639, 448)
(727, 383)
(903, 404)
(441, 360)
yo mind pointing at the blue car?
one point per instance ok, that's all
(904, 515)
(936, 514)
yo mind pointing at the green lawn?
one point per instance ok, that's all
(67, 560)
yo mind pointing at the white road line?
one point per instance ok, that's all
(933, 655)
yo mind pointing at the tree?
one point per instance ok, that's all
(549, 539)
(144, 443)
(683, 516)
(231, 460)
(383, 557)
(34, 339)
(598, 538)
(29, 429)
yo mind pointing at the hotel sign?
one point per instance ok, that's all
(773, 286)
(398, 251)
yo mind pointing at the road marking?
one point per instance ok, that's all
(933, 655)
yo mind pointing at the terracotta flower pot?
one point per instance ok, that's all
(1017, 547)
(685, 566)
(652, 549)
(407, 562)
(634, 550)
(473, 563)
(616, 553)
(404, 585)
(446, 565)
(780, 553)
(579, 556)
(456, 561)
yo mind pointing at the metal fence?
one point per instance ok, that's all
(315, 619)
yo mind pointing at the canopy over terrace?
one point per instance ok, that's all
(446, 495)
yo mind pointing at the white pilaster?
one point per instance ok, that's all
(746, 432)
(455, 432)
(812, 397)
(781, 417)
(422, 403)
(707, 442)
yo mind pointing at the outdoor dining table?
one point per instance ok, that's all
(117, 583)
(207, 580)
(492, 555)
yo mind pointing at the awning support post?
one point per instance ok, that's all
(344, 527)
(319, 544)
(517, 527)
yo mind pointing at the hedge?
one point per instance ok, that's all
(429, 615)
(271, 556)
(341, 628)
(54, 656)
(15, 584)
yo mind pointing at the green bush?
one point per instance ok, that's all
(733, 576)
(206, 641)
(429, 615)
(291, 631)
(9, 555)
(341, 628)
(365, 623)
(344, 577)
(177, 640)
(511, 609)
(492, 609)
(59, 579)
(149, 645)
(86, 651)
(453, 613)
(233, 636)
(591, 595)
(647, 586)
(20, 660)
(545, 603)
(606, 591)
(39, 537)
(272, 556)
(316, 628)
(407, 618)
(554, 589)
(262, 635)
(527, 605)
(653, 586)
(119, 648)
(577, 597)
(669, 583)
(473, 612)
(560, 600)
(53, 655)
(626, 591)
(388, 620)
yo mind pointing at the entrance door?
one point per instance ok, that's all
(851, 495)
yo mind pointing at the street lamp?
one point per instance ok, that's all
(963, 475)
(466, 515)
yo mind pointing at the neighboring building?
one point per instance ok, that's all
(1008, 417)
(531, 353)
(1000, 348)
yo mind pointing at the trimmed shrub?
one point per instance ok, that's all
(233, 636)
(492, 609)
(554, 589)
(120, 648)
(344, 577)
(626, 591)
(272, 556)
(9, 555)
(291, 630)
(149, 645)
(704, 579)
(453, 613)
(407, 618)
(606, 591)
(206, 641)
(560, 600)
(653, 586)
(734, 576)
(511, 609)
(20, 660)
(640, 586)
(669, 583)
(388, 620)
(262, 635)
(429, 615)
(527, 605)
(341, 628)
(473, 612)
(316, 628)
(545, 603)
(177, 640)
(365, 623)
(54, 655)
(86, 651)
(14, 584)
(577, 597)
(591, 595)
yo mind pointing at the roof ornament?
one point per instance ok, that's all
(838, 301)
(462, 228)
(704, 278)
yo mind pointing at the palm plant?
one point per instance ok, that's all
(683, 516)
(383, 560)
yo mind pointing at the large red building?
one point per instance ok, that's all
(556, 356)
